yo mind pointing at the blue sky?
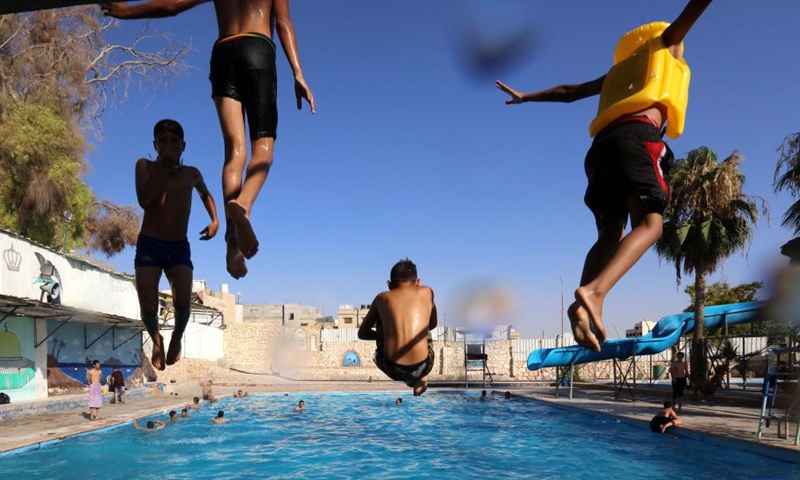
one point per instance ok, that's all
(412, 154)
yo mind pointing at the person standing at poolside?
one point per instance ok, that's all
(628, 164)
(679, 373)
(118, 382)
(164, 191)
(95, 390)
(208, 392)
(243, 84)
(399, 320)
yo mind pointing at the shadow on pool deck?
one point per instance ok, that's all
(725, 416)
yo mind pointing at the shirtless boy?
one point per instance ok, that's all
(679, 373)
(399, 321)
(93, 376)
(665, 418)
(151, 425)
(164, 190)
(220, 418)
(624, 169)
(243, 83)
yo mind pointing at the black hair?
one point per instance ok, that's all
(172, 412)
(184, 411)
(150, 424)
(95, 361)
(167, 125)
(403, 271)
(667, 404)
(220, 414)
(196, 399)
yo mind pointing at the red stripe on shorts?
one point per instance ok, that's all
(658, 150)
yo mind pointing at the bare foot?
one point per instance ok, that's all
(235, 260)
(174, 352)
(421, 386)
(248, 243)
(157, 359)
(594, 306)
(581, 330)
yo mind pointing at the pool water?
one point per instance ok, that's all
(440, 435)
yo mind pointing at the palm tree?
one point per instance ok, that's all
(707, 220)
(787, 177)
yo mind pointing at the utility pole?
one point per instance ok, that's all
(562, 310)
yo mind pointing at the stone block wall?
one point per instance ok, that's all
(296, 353)
(248, 346)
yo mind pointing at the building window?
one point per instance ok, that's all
(348, 319)
(291, 316)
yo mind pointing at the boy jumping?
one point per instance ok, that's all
(402, 318)
(243, 84)
(164, 190)
(628, 161)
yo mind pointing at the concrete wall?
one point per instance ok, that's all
(290, 314)
(299, 353)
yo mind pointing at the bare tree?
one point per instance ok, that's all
(57, 76)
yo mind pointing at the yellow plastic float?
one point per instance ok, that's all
(644, 73)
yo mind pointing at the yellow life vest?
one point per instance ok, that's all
(644, 73)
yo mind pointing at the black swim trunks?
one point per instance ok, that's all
(678, 387)
(627, 158)
(243, 68)
(152, 252)
(657, 421)
(410, 374)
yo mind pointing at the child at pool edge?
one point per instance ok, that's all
(665, 418)
(399, 320)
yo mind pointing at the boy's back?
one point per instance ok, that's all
(240, 16)
(405, 318)
(399, 320)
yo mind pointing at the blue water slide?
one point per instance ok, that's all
(663, 335)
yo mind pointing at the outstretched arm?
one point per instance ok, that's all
(366, 331)
(211, 207)
(151, 9)
(562, 93)
(288, 36)
(675, 33)
(136, 425)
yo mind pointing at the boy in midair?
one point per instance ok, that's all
(164, 191)
(399, 320)
(625, 169)
(243, 84)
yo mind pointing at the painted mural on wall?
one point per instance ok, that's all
(351, 359)
(73, 346)
(49, 281)
(17, 372)
(35, 272)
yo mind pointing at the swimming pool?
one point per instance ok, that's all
(441, 435)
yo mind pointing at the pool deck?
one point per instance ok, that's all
(729, 417)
